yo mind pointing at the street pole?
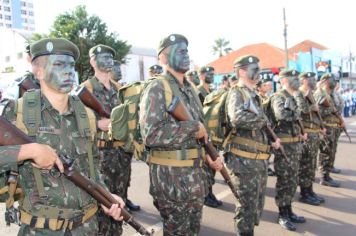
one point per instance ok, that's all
(285, 36)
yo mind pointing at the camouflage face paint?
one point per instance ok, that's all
(209, 77)
(178, 57)
(59, 73)
(294, 83)
(253, 71)
(332, 83)
(312, 83)
(116, 72)
(104, 61)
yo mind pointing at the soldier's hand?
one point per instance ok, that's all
(42, 156)
(304, 136)
(217, 164)
(115, 209)
(103, 124)
(323, 132)
(342, 125)
(276, 144)
(202, 132)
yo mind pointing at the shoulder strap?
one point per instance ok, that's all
(116, 84)
(32, 111)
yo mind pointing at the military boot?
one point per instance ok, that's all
(335, 170)
(293, 217)
(284, 220)
(328, 181)
(270, 172)
(210, 201)
(307, 198)
(215, 199)
(311, 191)
(249, 233)
(132, 206)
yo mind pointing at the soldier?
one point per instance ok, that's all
(233, 81)
(52, 204)
(325, 98)
(114, 162)
(312, 125)
(192, 76)
(263, 89)
(206, 76)
(225, 83)
(249, 147)
(155, 70)
(177, 180)
(284, 108)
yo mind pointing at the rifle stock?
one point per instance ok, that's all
(27, 84)
(311, 100)
(341, 122)
(178, 110)
(11, 135)
(275, 137)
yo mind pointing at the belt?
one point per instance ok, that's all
(109, 144)
(56, 224)
(332, 125)
(290, 139)
(251, 143)
(250, 155)
(311, 130)
(177, 158)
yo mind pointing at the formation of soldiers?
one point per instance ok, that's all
(257, 124)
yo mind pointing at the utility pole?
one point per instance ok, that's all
(285, 36)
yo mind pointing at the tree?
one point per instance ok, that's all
(86, 31)
(221, 47)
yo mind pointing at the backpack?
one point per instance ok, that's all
(215, 116)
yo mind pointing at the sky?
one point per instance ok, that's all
(142, 23)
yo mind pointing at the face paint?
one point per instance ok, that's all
(104, 61)
(312, 83)
(209, 77)
(253, 71)
(178, 58)
(332, 83)
(158, 71)
(59, 73)
(116, 72)
(294, 83)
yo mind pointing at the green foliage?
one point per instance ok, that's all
(86, 31)
(221, 47)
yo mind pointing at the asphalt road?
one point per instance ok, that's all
(335, 217)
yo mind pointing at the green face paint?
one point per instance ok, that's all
(253, 71)
(312, 83)
(116, 72)
(60, 72)
(104, 61)
(178, 57)
(209, 77)
(294, 83)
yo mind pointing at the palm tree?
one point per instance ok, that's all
(221, 47)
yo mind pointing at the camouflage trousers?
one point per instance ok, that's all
(307, 164)
(89, 228)
(250, 179)
(337, 135)
(210, 175)
(327, 155)
(287, 173)
(115, 168)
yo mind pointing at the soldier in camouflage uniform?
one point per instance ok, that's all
(114, 162)
(192, 76)
(325, 98)
(53, 205)
(286, 115)
(248, 148)
(155, 70)
(177, 180)
(312, 125)
(206, 76)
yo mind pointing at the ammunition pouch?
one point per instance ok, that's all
(177, 158)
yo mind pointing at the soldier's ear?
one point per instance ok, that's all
(163, 58)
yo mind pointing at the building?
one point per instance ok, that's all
(17, 14)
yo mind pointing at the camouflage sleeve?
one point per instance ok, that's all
(279, 111)
(324, 111)
(302, 103)
(158, 129)
(8, 154)
(241, 118)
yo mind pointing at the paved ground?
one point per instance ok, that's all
(336, 217)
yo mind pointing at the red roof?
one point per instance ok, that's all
(305, 46)
(269, 55)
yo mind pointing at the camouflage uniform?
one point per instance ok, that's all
(61, 133)
(327, 155)
(286, 128)
(248, 174)
(115, 163)
(177, 191)
(339, 105)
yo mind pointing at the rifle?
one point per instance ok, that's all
(11, 135)
(178, 110)
(27, 84)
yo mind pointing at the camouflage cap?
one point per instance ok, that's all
(100, 48)
(154, 68)
(288, 73)
(206, 69)
(245, 60)
(191, 72)
(28, 49)
(169, 41)
(50, 46)
(306, 75)
(327, 76)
